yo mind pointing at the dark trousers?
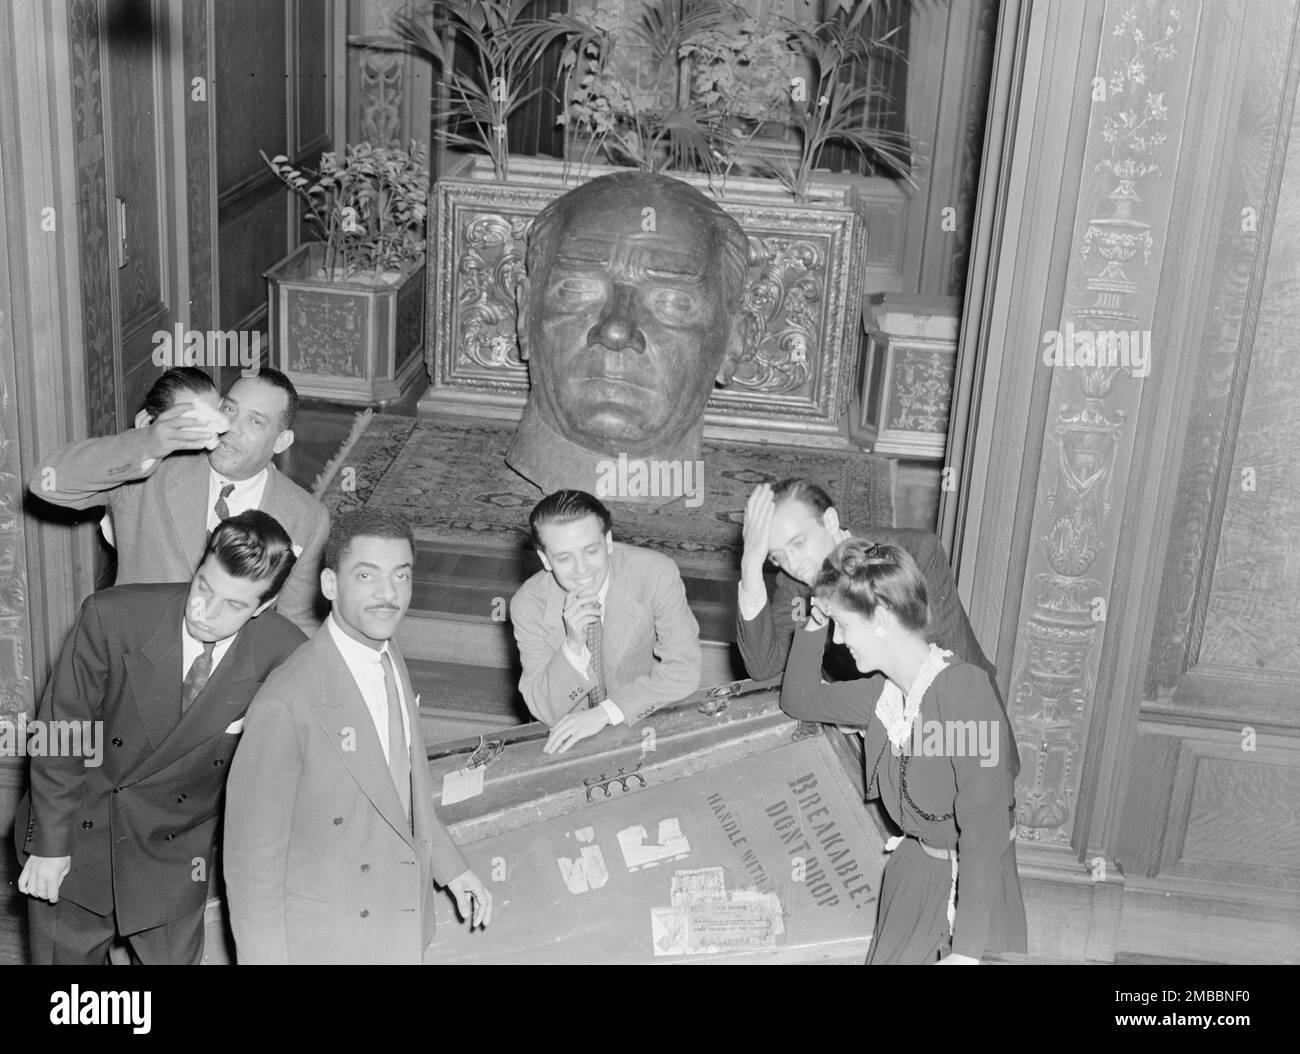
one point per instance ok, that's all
(66, 934)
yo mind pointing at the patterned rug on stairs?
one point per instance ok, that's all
(450, 479)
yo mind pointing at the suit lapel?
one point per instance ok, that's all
(155, 673)
(187, 506)
(214, 708)
(622, 616)
(270, 502)
(554, 617)
(342, 712)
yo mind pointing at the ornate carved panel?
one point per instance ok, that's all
(328, 332)
(15, 634)
(921, 390)
(381, 80)
(1104, 351)
(804, 298)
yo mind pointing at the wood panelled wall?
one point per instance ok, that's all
(1126, 530)
(274, 94)
(178, 216)
(42, 389)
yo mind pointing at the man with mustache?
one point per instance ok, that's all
(125, 846)
(794, 524)
(332, 846)
(629, 314)
(165, 501)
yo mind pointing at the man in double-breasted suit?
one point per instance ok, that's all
(332, 848)
(164, 500)
(604, 632)
(121, 844)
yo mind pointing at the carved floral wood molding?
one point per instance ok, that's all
(1124, 201)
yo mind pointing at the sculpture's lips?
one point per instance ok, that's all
(606, 381)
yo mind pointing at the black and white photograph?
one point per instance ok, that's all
(651, 482)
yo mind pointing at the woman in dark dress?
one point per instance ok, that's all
(937, 755)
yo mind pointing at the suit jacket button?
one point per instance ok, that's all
(219, 762)
(168, 837)
(117, 790)
(86, 825)
(365, 868)
(338, 821)
(117, 741)
(180, 798)
(365, 913)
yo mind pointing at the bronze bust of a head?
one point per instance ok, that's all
(628, 316)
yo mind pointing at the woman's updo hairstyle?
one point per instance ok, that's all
(862, 575)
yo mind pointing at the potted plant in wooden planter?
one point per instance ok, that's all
(691, 108)
(346, 313)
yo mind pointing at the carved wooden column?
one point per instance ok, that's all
(44, 568)
(1070, 361)
(388, 92)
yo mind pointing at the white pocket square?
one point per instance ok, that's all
(297, 551)
(235, 727)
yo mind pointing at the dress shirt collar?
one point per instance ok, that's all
(245, 489)
(192, 648)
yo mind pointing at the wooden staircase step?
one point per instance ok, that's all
(484, 642)
(459, 686)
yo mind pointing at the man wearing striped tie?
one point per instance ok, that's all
(332, 847)
(604, 632)
(120, 844)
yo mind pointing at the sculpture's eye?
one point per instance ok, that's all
(674, 305)
(575, 289)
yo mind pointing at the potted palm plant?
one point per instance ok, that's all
(688, 88)
(346, 312)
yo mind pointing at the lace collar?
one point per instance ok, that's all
(898, 716)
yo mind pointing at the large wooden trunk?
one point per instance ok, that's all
(740, 836)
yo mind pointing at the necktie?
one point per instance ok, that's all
(222, 509)
(595, 637)
(399, 758)
(200, 671)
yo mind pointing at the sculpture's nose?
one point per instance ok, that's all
(617, 329)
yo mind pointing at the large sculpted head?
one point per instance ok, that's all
(630, 312)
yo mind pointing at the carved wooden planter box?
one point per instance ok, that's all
(805, 293)
(905, 392)
(352, 342)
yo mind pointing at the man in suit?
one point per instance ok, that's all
(164, 501)
(332, 847)
(795, 524)
(604, 632)
(123, 846)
